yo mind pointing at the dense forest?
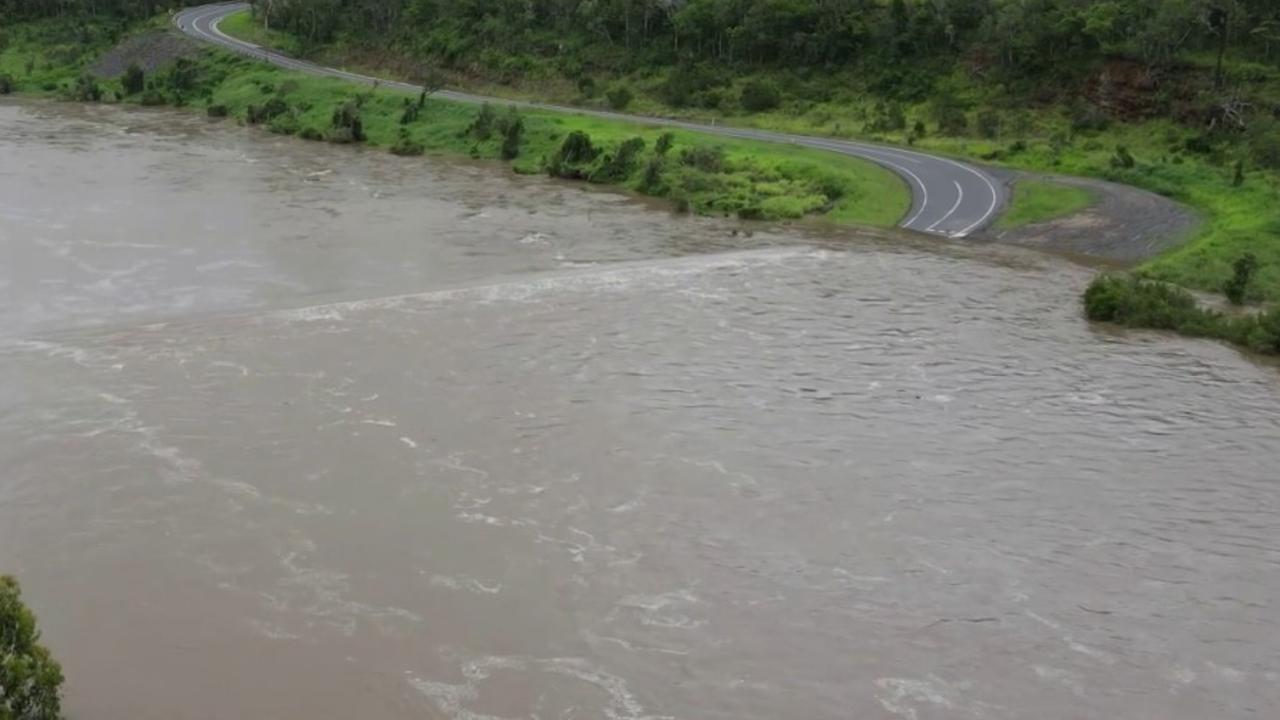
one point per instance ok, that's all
(1019, 38)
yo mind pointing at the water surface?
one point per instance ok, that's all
(297, 431)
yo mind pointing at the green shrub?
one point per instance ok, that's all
(512, 133)
(573, 156)
(889, 117)
(406, 146)
(949, 113)
(345, 126)
(652, 181)
(1134, 302)
(760, 95)
(133, 81)
(1242, 270)
(481, 128)
(6, 84)
(1139, 303)
(618, 165)
(1122, 159)
(30, 679)
(664, 143)
(255, 114)
(181, 75)
(687, 81)
(1086, 117)
(285, 123)
(587, 86)
(706, 159)
(989, 123)
(619, 97)
(410, 112)
(86, 89)
(217, 111)
(1264, 140)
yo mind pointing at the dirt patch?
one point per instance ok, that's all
(149, 51)
(1125, 224)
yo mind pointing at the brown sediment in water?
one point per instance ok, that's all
(283, 418)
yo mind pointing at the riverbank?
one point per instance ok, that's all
(1171, 159)
(732, 177)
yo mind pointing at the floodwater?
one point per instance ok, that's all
(298, 431)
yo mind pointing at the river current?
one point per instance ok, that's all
(298, 431)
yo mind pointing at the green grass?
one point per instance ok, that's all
(242, 26)
(42, 56)
(1039, 200)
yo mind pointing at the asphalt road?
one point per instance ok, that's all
(947, 197)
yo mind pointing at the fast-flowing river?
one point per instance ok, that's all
(298, 431)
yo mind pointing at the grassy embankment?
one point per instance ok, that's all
(703, 173)
(1038, 200)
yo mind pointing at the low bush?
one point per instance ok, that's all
(133, 81)
(619, 97)
(664, 143)
(760, 95)
(617, 166)
(217, 111)
(512, 134)
(1242, 270)
(1135, 302)
(1122, 159)
(86, 89)
(255, 114)
(481, 128)
(575, 152)
(6, 84)
(706, 159)
(345, 126)
(406, 146)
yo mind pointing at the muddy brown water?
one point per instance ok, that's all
(297, 431)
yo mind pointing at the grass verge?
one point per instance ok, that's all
(1039, 200)
(241, 25)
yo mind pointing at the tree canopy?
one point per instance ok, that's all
(29, 677)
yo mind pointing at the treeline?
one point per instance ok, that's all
(1020, 37)
(17, 10)
(1016, 38)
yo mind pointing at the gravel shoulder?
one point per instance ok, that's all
(1125, 224)
(149, 51)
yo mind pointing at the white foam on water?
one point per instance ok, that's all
(617, 277)
(452, 698)
(463, 582)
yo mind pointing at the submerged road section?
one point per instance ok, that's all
(948, 198)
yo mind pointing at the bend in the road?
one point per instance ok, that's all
(948, 197)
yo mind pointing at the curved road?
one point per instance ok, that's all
(947, 197)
